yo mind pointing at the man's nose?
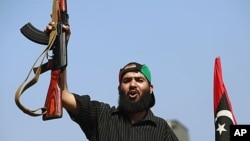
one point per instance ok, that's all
(133, 83)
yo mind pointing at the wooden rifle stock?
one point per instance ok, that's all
(53, 101)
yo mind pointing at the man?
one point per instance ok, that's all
(132, 120)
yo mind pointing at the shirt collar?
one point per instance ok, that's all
(148, 119)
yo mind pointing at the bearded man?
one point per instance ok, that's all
(132, 120)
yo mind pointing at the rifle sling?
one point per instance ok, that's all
(25, 85)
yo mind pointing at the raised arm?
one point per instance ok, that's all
(68, 99)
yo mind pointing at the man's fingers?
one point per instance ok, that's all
(67, 30)
(49, 27)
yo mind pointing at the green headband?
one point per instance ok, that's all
(137, 67)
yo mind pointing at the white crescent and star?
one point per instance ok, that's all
(224, 113)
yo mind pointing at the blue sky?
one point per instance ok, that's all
(178, 40)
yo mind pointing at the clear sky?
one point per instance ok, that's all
(178, 40)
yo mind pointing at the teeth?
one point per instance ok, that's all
(133, 94)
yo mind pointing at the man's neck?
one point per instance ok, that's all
(134, 117)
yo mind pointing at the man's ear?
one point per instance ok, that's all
(151, 87)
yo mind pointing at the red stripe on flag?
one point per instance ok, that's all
(219, 88)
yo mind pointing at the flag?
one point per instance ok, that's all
(223, 114)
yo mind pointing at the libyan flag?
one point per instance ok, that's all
(223, 114)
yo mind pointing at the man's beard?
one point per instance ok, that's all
(129, 106)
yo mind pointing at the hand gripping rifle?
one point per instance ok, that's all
(57, 43)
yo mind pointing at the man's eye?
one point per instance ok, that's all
(140, 80)
(126, 80)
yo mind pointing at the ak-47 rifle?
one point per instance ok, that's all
(57, 43)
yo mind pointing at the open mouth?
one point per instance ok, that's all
(133, 94)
